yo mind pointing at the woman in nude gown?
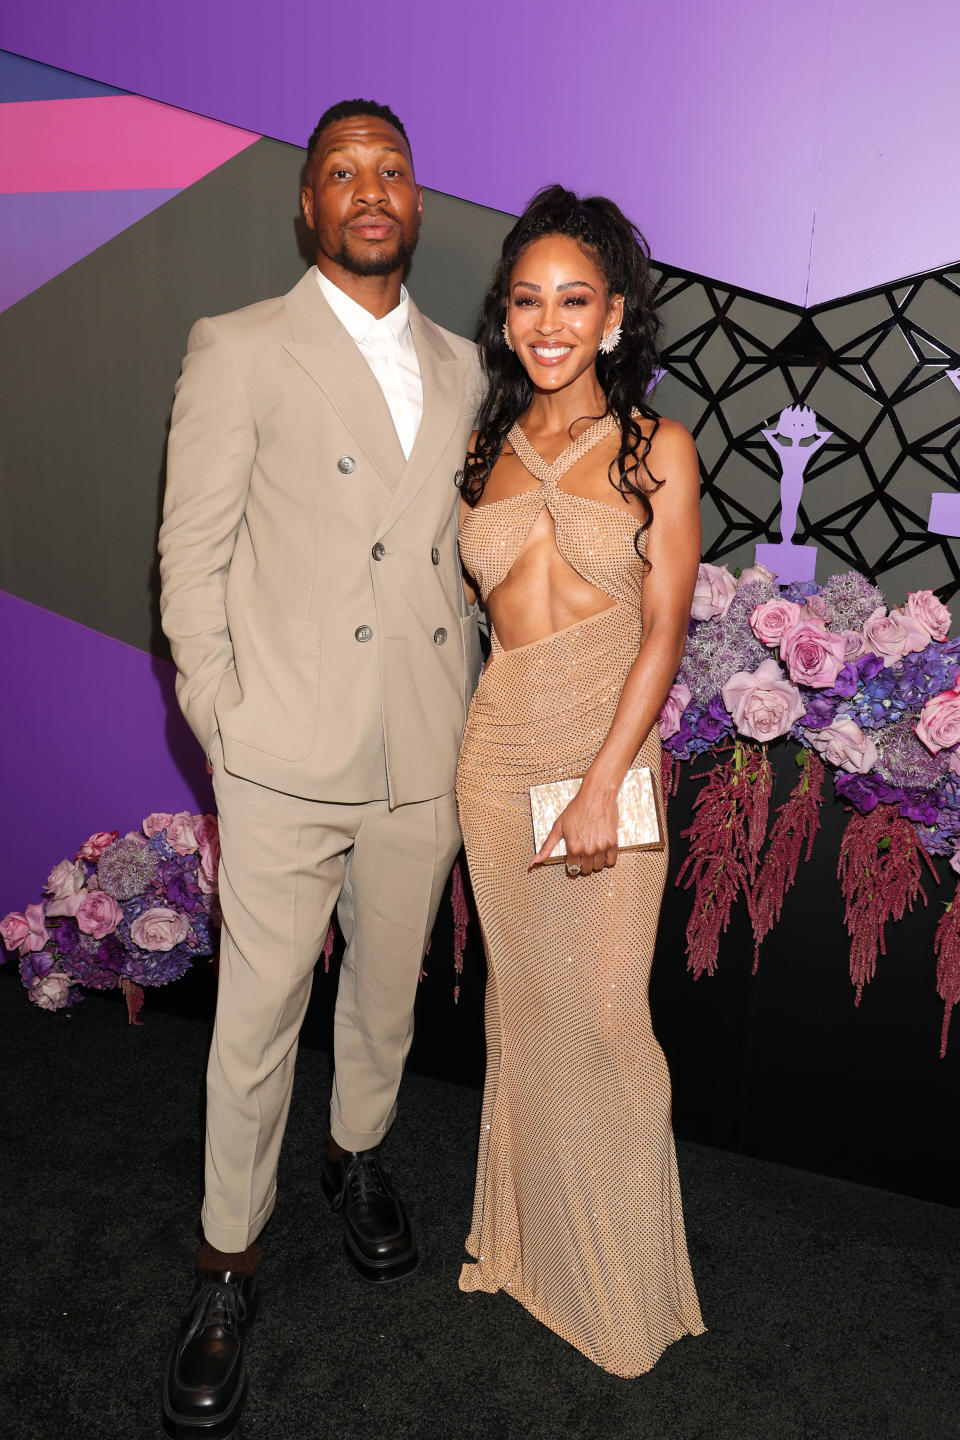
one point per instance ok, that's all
(580, 529)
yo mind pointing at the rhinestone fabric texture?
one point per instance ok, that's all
(577, 1209)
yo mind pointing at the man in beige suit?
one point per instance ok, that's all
(312, 595)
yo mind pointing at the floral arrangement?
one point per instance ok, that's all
(873, 693)
(128, 911)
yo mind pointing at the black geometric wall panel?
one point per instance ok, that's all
(881, 370)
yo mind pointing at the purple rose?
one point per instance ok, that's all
(821, 712)
(846, 684)
(921, 809)
(857, 791)
(868, 666)
(715, 721)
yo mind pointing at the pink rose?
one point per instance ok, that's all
(816, 608)
(770, 619)
(955, 861)
(844, 745)
(924, 607)
(754, 573)
(715, 588)
(65, 879)
(208, 839)
(814, 656)
(180, 833)
(51, 992)
(159, 929)
(93, 848)
(855, 644)
(939, 723)
(99, 915)
(65, 885)
(893, 636)
(156, 821)
(668, 721)
(15, 930)
(764, 704)
(39, 934)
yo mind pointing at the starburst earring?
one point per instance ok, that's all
(610, 342)
(506, 335)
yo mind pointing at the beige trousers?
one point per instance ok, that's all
(285, 862)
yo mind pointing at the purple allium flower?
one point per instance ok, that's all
(126, 868)
(718, 649)
(903, 760)
(851, 600)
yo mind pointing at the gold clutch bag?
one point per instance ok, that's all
(640, 828)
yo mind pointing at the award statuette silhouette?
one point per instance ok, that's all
(795, 439)
(945, 507)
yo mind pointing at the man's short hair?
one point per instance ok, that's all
(346, 110)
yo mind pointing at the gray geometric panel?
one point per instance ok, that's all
(90, 361)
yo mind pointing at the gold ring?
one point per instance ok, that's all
(574, 869)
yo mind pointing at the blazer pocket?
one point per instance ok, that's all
(273, 702)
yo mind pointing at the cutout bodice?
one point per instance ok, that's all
(594, 537)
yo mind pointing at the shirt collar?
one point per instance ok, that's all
(359, 324)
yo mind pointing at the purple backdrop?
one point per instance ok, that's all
(756, 141)
(92, 740)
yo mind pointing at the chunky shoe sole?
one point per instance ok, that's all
(375, 1273)
(219, 1427)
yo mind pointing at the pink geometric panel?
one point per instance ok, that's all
(115, 142)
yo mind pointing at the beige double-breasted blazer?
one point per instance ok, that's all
(311, 586)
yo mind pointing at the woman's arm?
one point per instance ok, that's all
(589, 823)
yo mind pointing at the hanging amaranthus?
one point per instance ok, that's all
(947, 950)
(726, 836)
(879, 871)
(670, 774)
(461, 917)
(133, 994)
(795, 827)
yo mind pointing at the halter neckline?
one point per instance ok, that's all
(533, 461)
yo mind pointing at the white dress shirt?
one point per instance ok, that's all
(388, 348)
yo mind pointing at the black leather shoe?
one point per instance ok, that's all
(206, 1384)
(376, 1232)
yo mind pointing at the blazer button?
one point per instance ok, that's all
(363, 633)
(346, 464)
(435, 555)
(378, 551)
(440, 636)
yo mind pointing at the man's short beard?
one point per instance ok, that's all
(375, 263)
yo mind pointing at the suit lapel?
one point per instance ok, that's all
(442, 374)
(329, 356)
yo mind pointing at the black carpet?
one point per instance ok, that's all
(832, 1309)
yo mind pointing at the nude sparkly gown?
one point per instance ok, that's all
(577, 1208)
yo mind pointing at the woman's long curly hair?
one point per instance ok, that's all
(620, 252)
